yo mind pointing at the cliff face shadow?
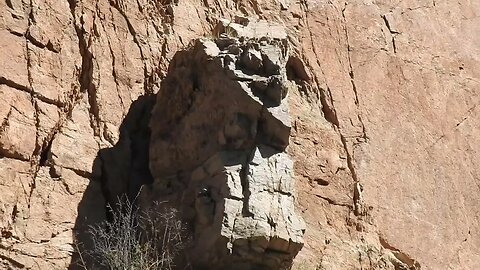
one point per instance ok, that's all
(117, 172)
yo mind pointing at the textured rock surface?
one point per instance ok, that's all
(384, 133)
(220, 105)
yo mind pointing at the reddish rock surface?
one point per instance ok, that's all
(384, 128)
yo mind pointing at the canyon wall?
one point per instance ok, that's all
(382, 116)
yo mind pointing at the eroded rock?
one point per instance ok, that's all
(387, 93)
(219, 130)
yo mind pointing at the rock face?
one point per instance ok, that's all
(383, 137)
(219, 130)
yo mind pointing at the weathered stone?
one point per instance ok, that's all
(252, 29)
(17, 130)
(275, 126)
(14, 17)
(37, 215)
(381, 86)
(73, 147)
(274, 59)
(13, 47)
(244, 208)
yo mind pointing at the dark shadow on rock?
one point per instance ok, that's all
(117, 172)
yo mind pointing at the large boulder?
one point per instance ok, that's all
(219, 130)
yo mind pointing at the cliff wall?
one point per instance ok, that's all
(383, 122)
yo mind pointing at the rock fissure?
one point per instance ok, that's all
(114, 74)
(401, 260)
(39, 44)
(467, 115)
(349, 50)
(133, 33)
(86, 72)
(244, 181)
(393, 32)
(5, 120)
(29, 90)
(357, 187)
(326, 98)
(334, 202)
(35, 156)
(14, 85)
(14, 262)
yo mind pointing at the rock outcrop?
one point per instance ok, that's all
(219, 130)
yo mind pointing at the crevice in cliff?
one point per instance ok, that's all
(5, 120)
(333, 201)
(467, 115)
(48, 100)
(13, 262)
(328, 110)
(28, 89)
(244, 178)
(392, 32)
(30, 82)
(402, 257)
(34, 161)
(32, 186)
(349, 49)
(45, 151)
(14, 213)
(114, 72)
(134, 35)
(326, 99)
(9, 4)
(7, 154)
(364, 130)
(14, 85)
(357, 188)
(36, 157)
(163, 59)
(86, 73)
(330, 113)
(357, 200)
(48, 46)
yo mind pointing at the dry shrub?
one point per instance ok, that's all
(138, 240)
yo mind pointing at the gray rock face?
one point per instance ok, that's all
(219, 130)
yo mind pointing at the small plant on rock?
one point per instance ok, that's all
(138, 240)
